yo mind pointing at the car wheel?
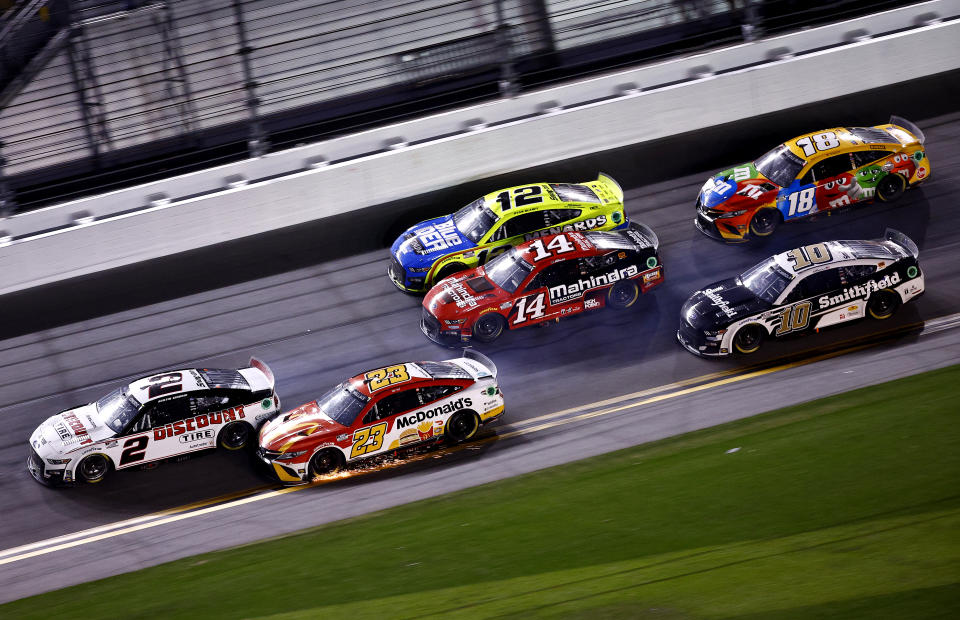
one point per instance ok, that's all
(749, 338)
(326, 461)
(765, 221)
(623, 294)
(891, 187)
(93, 468)
(235, 436)
(883, 304)
(462, 426)
(448, 270)
(489, 327)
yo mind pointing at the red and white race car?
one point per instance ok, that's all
(154, 418)
(543, 280)
(382, 411)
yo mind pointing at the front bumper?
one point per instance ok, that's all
(696, 342)
(398, 275)
(721, 229)
(36, 467)
(430, 326)
(284, 472)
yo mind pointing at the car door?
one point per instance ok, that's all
(155, 432)
(819, 189)
(375, 430)
(545, 293)
(801, 307)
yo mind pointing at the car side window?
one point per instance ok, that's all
(820, 283)
(210, 403)
(144, 421)
(523, 224)
(435, 392)
(831, 167)
(554, 217)
(392, 404)
(862, 158)
(561, 272)
(855, 273)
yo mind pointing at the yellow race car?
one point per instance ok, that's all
(432, 250)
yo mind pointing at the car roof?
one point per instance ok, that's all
(552, 195)
(190, 380)
(851, 139)
(415, 374)
(847, 250)
(582, 246)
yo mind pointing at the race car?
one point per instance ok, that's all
(814, 173)
(154, 418)
(432, 250)
(543, 280)
(802, 290)
(382, 411)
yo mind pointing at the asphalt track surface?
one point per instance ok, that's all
(317, 324)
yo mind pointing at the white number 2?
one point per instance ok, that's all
(801, 202)
(821, 142)
(533, 310)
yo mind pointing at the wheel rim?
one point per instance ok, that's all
(235, 437)
(463, 426)
(93, 467)
(764, 222)
(890, 187)
(882, 307)
(488, 327)
(748, 340)
(624, 296)
(324, 463)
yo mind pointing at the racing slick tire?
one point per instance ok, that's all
(765, 221)
(749, 338)
(462, 426)
(326, 461)
(891, 187)
(489, 327)
(623, 294)
(235, 436)
(448, 270)
(883, 304)
(93, 468)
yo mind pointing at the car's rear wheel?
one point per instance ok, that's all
(765, 221)
(93, 468)
(489, 327)
(462, 426)
(235, 436)
(623, 294)
(326, 461)
(448, 270)
(749, 338)
(883, 304)
(891, 187)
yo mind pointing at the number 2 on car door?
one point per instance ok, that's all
(369, 439)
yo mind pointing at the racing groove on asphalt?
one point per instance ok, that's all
(318, 324)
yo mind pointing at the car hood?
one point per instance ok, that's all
(306, 424)
(422, 244)
(720, 304)
(69, 430)
(737, 188)
(462, 294)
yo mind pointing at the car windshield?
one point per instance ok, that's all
(117, 409)
(766, 280)
(342, 404)
(780, 165)
(508, 270)
(474, 220)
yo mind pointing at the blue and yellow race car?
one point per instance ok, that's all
(432, 250)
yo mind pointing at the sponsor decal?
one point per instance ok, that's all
(912, 271)
(921, 172)
(267, 403)
(343, 437)
(61, 429)
(506, 305)
(196, 436)
(198, 422)
(859, 291)
(591, 303)
(751, 191)
(565, 292)
(719, 302)
(587, 224)
(77, 427)
(460, 294)
(650, 276)
(429, 414)
(438, 237)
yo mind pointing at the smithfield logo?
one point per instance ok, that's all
(564, 292)
(429, 414)
(859, 291)
(587, 224)
(719, 302)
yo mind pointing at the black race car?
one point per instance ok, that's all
(801, 290)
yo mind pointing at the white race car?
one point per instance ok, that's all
(154, 418)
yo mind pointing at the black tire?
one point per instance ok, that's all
(891, 187)
(93, 468)
(623, 294)
(326, 461)
(765, 221)
(462, 426)
(489, 327)
(749, 338)
(448, 270)
(883, 304)
(235, 436)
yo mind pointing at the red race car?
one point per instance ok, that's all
(543, 280)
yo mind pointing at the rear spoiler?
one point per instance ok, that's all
(262, 367)
(902, 240)
(612, 185)
(913, 129)
(482, 365)
(643, 236)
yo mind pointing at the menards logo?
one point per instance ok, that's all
(428, 414)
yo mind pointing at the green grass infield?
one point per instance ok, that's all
(846, 507)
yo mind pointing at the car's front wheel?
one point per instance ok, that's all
(235, 436)
(749, 338)
(93, 468)
(891, 187)
(623, 294)
(883, 304)
(462, 426)
(327, 461)
(765, 221)
(489, 327)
